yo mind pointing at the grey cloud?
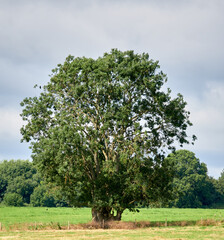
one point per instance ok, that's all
(185, 36)
(43, 31)
(13, 149)
(17, 81)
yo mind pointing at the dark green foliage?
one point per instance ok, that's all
(100, 130)
(17, 177)
(47, 195)
(20, 183)
(219, 186)
(22, 186)
(3, 187)
(192, 186)
(41, 197)
(13, 199)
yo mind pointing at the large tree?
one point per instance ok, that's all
(100, 129)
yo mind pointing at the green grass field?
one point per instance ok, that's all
(15, 216)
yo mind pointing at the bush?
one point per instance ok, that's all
(48, 195)
(41, 197)
(13, 199)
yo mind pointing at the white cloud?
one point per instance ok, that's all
(10, 124)
(48, 31)
(16, 80)
(215, 171)
(207, 116)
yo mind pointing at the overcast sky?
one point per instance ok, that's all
(186, 36)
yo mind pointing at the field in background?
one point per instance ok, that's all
(20, 215)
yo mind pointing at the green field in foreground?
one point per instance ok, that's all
(196, 232)
(10, 216)
(18, 215)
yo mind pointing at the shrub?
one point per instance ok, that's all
(13, 199)
(41, 197)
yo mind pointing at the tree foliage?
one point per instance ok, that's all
(48, 195)
(192, 186)
(41, 197)
(13, 199)
(17, 177)
(21, 184)
(219, 186)
(100, 129)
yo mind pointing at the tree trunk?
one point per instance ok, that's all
(105, 214)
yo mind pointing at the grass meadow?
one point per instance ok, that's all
(65, 223)
(199, 233)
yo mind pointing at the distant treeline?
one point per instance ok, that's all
(21, 184)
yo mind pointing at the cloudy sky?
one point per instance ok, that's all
(186, 36)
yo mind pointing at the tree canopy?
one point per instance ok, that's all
(192, 186)
(21, 184)
(219, 185)
(100, 129)
(17, 181)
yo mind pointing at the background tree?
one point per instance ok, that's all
(100, 129)
(192, 185)
(41, 197)
(3, 186)
(219, 186)
(13, 199)
(22, 186)
(17, 177)
(48, 195)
